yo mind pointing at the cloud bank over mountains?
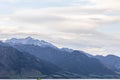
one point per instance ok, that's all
(71, 23)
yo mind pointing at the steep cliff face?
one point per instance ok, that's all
(14, 63)
(111, 61)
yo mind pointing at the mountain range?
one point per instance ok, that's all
(111, 61)
(32, 58)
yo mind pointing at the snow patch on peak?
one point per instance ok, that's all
(67, 49)
(30, 41)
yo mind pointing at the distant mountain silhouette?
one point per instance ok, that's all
(76, 62)
(31, 41)
(111, 61)
(16, 64)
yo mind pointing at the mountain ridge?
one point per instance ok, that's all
(110, 61)
(16, 64)
(65, 59)
(30, 40)
(74, 63)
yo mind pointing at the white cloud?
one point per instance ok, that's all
(72, 26)
(71, 18)
(15, 1)
(97, 51)
(109, 4)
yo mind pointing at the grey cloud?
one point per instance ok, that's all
(38, 19)
(79, 41)
(72, 27)
(65, 18)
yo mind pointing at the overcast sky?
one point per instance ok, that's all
(89, 25)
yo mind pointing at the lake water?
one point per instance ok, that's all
(60, 79)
